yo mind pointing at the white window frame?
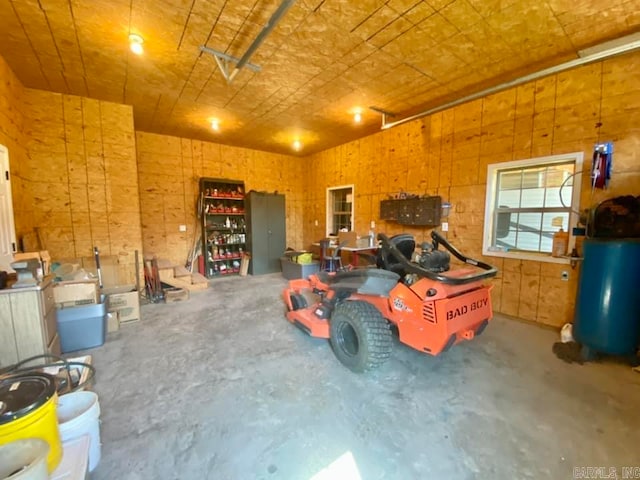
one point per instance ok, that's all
(492, 175)
(330, 211)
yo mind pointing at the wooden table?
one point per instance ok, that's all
(355, 251)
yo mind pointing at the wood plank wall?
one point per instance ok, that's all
(81, 177)
(169, 169)
(12, 137)
(447, 154)
(76, 172)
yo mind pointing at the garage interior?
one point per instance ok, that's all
(107, 148)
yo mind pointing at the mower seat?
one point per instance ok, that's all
(404, 242)
(367, 281)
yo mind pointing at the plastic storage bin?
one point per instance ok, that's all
(292, 270)
(82, 327)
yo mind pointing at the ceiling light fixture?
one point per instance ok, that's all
(215, 125)
(297, 145)
(357, 117)
(135, 44)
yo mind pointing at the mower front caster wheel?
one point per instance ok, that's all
(360, 336)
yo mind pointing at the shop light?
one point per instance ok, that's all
(135, 44)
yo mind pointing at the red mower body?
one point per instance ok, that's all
(431, 324)
(432, 311)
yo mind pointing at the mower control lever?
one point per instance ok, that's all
(486, 270)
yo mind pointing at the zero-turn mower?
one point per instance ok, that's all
(432, 310)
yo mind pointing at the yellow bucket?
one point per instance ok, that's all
(28, 410)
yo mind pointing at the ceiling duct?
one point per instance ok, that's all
(224, 60)
(605, 50)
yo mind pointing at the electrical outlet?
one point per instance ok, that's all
(564, 275)
(373, 224)
(445, 226)
(182, 228)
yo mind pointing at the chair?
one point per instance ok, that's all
(331, 262)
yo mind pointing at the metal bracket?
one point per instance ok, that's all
(384, 114)
(223, 60)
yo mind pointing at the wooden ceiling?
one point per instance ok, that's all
(324, 59)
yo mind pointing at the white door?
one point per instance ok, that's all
(7, 228)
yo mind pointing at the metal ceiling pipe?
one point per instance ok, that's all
(270, 25)
(606, 50)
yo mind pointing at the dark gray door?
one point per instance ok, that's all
(267, 232)
(277, 231)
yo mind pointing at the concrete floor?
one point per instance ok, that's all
(223, 387)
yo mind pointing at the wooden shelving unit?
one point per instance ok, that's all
(224, 234)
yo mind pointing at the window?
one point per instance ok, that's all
(339, 209)
(527, 202)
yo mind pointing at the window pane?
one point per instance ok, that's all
(528, 241)
(529, 221)
(547, 221)
(549, 229)
(532, 197)
(552, 197)
(556, 174)
(508, 241)
(533, 177)
(509, 198)
(510, 180)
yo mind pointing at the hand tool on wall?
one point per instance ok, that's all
(137, 262)
(96, 254)
(193, 253)
(153, 286)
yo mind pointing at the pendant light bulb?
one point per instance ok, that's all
(135, 44)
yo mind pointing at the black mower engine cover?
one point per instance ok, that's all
(434, 260)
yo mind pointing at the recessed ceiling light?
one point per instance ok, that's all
(215, 125)
(135, 44)
(297, 145)
(357, 117)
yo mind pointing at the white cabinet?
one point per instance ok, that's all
(27, 323)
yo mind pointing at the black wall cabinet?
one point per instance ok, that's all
(266, 231)
(412, 211)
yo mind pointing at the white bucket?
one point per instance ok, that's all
(24, 459)
(79, 414)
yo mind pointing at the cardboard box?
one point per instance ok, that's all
(113, 324)
(350, 238)
(73, 294)
(124, 302)
(42, 256)
(109, 266)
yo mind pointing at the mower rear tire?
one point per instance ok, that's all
(360, 336)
